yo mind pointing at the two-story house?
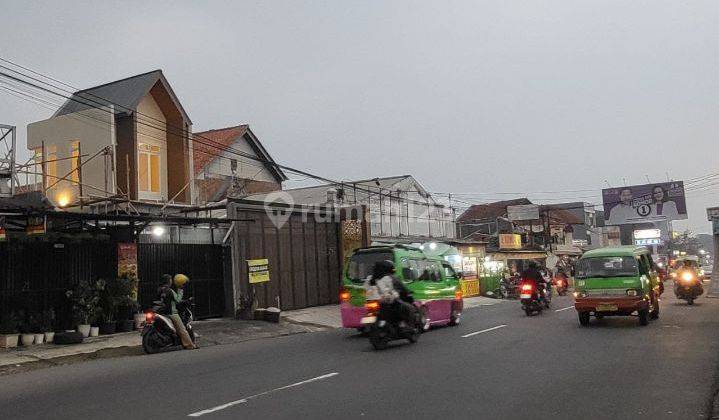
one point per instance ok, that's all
(232, 161)
(130, 139)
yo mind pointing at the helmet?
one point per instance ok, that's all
(180, 280)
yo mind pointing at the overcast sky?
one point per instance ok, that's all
(479, 97)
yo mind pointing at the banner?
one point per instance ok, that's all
(259, 270)
(645, 203)
(523, 212)
(3, 234)
(35, 225)
(127, 260)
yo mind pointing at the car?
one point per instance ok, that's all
(707, 271)
(617, 281)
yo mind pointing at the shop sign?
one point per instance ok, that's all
(644, 242)
(510, 241)
(259, 270)
(647, 234)
(469, 268)
(3, 234)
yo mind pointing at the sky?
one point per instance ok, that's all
(553, 100)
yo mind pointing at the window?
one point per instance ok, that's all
(362, 263)
(149, 168)
(75, 161)
(607, 267)
(410, 269)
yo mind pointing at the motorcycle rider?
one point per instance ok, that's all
(533, 275)
(175, 295)
(393, 294)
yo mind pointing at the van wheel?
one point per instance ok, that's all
(644, 317)
(583, 318)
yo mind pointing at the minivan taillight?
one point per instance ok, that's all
(344, 296)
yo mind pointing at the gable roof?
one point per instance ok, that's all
(124, 95)
(205, 151)
(490, 210)
(317, 194)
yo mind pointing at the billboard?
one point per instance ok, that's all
(523, 212)
(645, 203)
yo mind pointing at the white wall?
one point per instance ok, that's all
(94, 129)
(246, 168)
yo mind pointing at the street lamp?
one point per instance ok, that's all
(158, 230)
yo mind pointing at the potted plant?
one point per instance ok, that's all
(128, 306)
(27, 336)
(9, 331)
(85, 298)
(48, 321)
(109, 300)
(36, 328)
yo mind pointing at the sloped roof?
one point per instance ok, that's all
(124, 95)
(490, 210)
(208, 144)
(318, 194)
(559, 215)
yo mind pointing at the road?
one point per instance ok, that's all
(498, 364)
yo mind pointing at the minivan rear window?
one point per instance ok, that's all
(606, 267)
(362, 263)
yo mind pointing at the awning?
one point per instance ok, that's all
(518, 255)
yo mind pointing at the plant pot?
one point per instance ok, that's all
(84, 329)
(108, 327)
(8, 340)
(272, 315)
(260, 314)
(94, 331)
(139, 321)
(39, 338)
(125, 325)
(27, 339)
(49, 337)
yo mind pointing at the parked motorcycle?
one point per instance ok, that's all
(384, 325)
(159, 334)
(532, 299)
(509, 288)
(688, 286)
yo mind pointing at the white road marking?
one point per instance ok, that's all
(484, 331)
(564, 309)
(246, 399)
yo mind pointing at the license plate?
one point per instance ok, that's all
(604, 307)
(523, 296)
(368, 320)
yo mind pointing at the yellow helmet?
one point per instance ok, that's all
(180, 280)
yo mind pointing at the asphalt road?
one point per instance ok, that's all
(546, 366)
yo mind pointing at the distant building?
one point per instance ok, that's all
(400, 209)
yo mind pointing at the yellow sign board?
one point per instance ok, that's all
(259, 270)
(510, 241)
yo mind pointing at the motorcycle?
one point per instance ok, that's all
(159, 334)
(532, 299)
(688, 286)
(509, 288)
(384, 325)
(561, 285)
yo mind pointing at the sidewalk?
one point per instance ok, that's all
(209, 332)
(329, 315)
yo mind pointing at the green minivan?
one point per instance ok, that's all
(617, 281)
(432, 281)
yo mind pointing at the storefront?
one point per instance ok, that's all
(465, 258)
